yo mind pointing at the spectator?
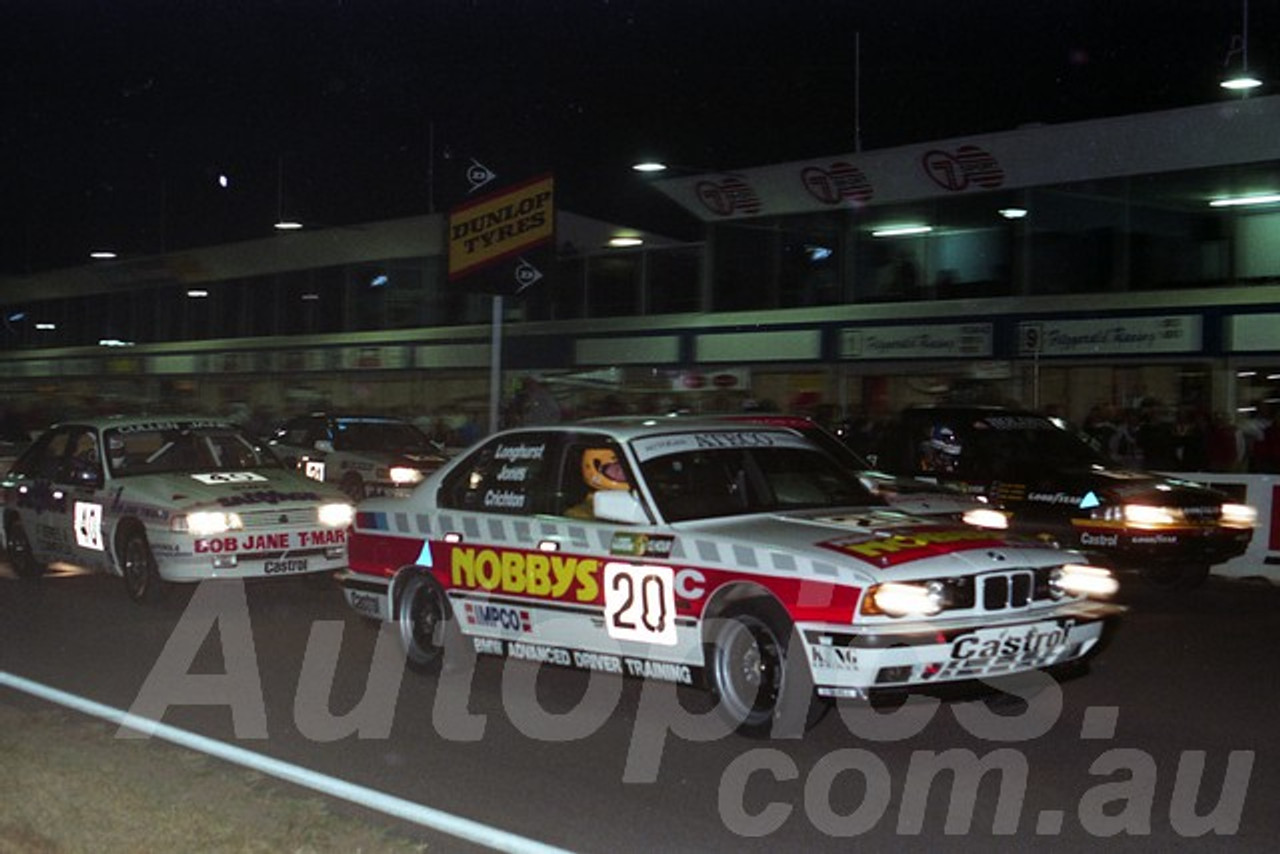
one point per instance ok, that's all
(1125, 448)
(1224, 447)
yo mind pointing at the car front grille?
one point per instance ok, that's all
(276, 517)
(1008, 590)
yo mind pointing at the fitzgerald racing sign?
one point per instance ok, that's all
(500, 226)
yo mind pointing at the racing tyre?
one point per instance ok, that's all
(425, 623)
(1176, 576)
(353, 486)
(757, 685)
(21, 559)
(138, 567)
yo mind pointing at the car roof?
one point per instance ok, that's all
(352, 416)
(977, 409)
(627, 427)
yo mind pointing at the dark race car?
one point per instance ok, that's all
(1059, 488)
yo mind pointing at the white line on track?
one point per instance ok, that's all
(462, 828)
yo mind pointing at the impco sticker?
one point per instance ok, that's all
(916, 545)
(216, 477)
(683, 443)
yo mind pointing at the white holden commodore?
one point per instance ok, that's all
(167, 499)
(737, 556)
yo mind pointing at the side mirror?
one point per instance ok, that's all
(612, 505)
(324, 446)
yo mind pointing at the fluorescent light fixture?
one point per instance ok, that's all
(113, 342)
(650, 166)
(901, 230)
(197, 293)
(1242, 201)
(1013, 213)
(102, 255)
(47, 327)
(310, 297)
(379, 281)
(1244, 82)
(625, 242)
(288, 225)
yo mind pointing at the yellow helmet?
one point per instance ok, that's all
(602, 470)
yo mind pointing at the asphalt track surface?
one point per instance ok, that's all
(1169, 741)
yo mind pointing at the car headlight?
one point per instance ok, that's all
(337, 515)
(898, 599)
(1239, 515)
(1077, 579)
(986, 517)
(405, 475)
(204, 523)
(1149, 516)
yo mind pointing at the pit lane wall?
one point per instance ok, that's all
(1261, 491)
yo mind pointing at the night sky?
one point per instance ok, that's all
(120, 115)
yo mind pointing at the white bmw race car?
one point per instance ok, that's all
(741, 556)
(167, 499)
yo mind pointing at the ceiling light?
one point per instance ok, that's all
(1242, 83)
(650, 166)
(197, 293)
(46, 326)
(288, 225)
(102, 255)
(901, 230)
(1241, 201)
(625, 242)
(1013, 213)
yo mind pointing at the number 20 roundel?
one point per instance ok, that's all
(640, 603)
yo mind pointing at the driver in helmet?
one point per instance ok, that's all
(601, 469)
(941, 451)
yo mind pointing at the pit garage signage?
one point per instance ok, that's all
(1110, 336)
(499, 227)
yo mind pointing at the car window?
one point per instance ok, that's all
(182, 447)
(711, 482)
(43, 458)
(589, 464)
(511, 474)
(82, 461)
(377, 434)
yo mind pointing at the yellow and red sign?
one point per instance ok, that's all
(500, 226)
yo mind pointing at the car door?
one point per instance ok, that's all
(40, 503)
(80, 478)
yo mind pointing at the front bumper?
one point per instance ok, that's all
(260, 554)
(848, 662)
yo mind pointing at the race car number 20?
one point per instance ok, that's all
(640, 603)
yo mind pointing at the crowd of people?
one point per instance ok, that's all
(1157, 437)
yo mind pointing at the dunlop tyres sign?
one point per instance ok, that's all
(500, 226)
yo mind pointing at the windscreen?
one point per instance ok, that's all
(374, 434)
(705, 475)
(182, 446)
